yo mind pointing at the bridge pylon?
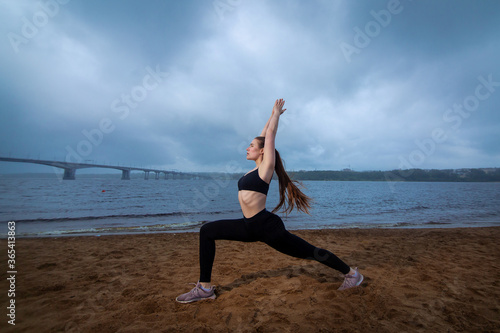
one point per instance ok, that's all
(69, 173)
(125, 174)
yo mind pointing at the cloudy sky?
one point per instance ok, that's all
(186, 85)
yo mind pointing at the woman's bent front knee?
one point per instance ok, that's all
(206, 231)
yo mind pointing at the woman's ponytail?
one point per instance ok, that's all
(290, 195)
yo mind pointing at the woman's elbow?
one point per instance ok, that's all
(270, 133)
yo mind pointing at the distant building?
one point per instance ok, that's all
(462, 172)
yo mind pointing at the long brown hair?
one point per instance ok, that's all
(290, 195)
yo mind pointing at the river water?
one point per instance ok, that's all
(98, 205)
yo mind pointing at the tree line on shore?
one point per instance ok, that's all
(411, 175)
(415, 175)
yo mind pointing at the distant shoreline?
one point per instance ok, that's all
(410, 175)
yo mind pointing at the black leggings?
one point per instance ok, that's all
(264, 227)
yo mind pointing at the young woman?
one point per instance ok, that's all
(257, 223)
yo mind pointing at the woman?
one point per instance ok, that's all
(257, 223)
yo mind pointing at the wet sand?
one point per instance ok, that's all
(425, 280)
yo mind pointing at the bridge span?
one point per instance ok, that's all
(70, 168)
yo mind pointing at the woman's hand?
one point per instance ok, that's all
(278, 109)
(278, 106)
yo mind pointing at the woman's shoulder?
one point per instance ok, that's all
(266, 172)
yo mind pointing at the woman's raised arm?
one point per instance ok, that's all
(271, 128)
(264, 130)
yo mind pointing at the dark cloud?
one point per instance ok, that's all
(88, 65)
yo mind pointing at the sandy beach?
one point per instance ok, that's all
(422, 280)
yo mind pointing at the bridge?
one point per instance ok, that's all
(70, 168)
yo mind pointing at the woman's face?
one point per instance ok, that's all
(253, 151)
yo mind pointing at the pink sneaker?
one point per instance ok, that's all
(196, 294)
(351, 280)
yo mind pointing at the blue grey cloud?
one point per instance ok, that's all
(367, 84)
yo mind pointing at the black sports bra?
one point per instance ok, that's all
(252, 182)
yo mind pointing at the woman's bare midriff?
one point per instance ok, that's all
(251, 202)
